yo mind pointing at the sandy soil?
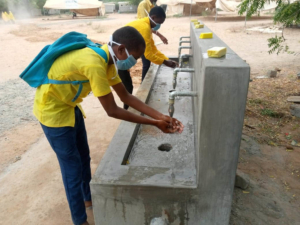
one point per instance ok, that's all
(31, 189)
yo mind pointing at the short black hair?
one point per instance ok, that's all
(129, 37)
(158, 12)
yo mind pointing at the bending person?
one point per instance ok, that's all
(156, 17)
(62, 119)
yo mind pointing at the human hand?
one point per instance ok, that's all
(163, 39)
(170, 125)
(170, 63)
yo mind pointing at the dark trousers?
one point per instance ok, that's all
(126, 78)
(127, 81)
(146, 65)
(72, 150)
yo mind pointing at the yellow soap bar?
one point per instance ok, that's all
(199, 26)
(206, 35)
(194, 20)
(195, 23)
(216, 52)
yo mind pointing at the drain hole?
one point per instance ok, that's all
(165, 147)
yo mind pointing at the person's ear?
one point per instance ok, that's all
(121, 52)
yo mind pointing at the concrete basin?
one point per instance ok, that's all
(141, 182)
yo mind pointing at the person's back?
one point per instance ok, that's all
(144, 7)
(77, 65)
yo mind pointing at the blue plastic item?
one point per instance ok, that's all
(36, 74)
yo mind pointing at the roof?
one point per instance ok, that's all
(72, 4)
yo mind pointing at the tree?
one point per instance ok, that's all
(3, 5)
(40, 3)
(286, 13)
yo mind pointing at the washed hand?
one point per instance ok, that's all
(170, 63)
(170, 125)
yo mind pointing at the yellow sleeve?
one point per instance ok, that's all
(141, 10)
(112, 76)
(151, 52)
(100, 75)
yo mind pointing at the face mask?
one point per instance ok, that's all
(157, 24)
(121, 64)
(156, 27)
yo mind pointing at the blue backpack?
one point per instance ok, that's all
(36, 74)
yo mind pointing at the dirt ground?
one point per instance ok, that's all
(31, 189)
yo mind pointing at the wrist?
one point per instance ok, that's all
(154, 123)
(160, 116)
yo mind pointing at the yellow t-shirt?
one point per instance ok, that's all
(53, 105)
(151, 52)
(144, 5)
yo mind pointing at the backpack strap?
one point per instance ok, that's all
(100, 52)
(76, 82)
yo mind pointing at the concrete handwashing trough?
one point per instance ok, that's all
(190, 178)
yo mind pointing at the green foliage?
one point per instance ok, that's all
(276, 45)
(251, 7)
(39, 3)
(3, 5)
(271, 113)
(286, 13)
(135, 2)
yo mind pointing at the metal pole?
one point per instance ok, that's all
(190, 10)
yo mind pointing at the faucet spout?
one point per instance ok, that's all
(176, 71)
(183, 56)
(180, 42)
(173, 94)
(183, 47)
(182, 37)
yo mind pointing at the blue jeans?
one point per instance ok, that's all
(72, 150)
(146, 66)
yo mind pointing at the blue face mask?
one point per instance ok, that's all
(157, 24)
(121, 64)
(127, 63)
(156, 27)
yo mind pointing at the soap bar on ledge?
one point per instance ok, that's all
(216, 52)
(199, 26)
(194, 20)
(206, 35)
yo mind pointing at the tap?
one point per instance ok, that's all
(180, 42)
(173, 94)
(175, 72)
(183, 56)
(183, 37)
(181, 47)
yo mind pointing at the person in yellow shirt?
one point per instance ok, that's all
(144, 8)
(62, 118)
(145, 26)
(143, 11)
(11, 16)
